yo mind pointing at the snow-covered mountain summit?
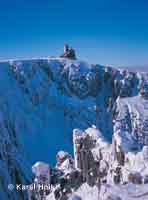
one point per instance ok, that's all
(43, 100)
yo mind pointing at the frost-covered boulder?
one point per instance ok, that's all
(41, 169)
(64, 162)
(94, 133)
(61, 157)
(42, 181)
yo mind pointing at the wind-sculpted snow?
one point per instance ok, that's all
(43, 100)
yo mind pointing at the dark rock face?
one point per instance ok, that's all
(143, 89)
(146, 179)
(113, 197)
(85, 161)
(135, 178)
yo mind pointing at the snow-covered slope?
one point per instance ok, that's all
(43, 100)
(43, 115)
(127, 192)
(72, 94)
(47, 99)
(14, 166)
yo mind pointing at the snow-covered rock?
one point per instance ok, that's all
(64, 162)
(41, 169)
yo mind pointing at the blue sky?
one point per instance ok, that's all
(113, 32)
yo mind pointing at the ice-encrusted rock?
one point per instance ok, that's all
(41, 169)
(61, 157)
(84, 161)
(64, 162)
(94, 133)
(41, 182)
(132, 123)
(143, 88)
(130, 138)
(111, 177)
(92, 155)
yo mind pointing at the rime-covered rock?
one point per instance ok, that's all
(64, 162)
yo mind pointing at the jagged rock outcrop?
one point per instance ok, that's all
(101, 168)
(64, 162)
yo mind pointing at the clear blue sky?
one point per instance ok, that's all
(102, 31)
